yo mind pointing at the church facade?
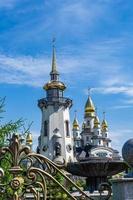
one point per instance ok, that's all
(58, 141)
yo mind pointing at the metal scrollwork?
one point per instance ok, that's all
(105, 187)
(30, 175)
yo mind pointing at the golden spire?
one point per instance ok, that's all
(54, 68)
(89, 107)
(96, 122)
(104, 123)
(29, 139)
(54, 83)
(75, 122)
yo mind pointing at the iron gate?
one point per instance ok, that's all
(26, 175)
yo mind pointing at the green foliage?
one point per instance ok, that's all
(6, 132)
(81, 183)
(55, 191)
(7, 129)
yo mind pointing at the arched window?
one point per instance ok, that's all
(67, 128)
(45, 128)
(87, 138)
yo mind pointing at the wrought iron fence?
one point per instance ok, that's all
(27, 175)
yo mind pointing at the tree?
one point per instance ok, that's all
(6, 132)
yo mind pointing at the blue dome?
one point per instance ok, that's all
(127, 152)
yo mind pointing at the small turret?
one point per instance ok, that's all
(29, 139)
(96, 122)
(104, 131)
(76, 132)
(75, 124)
(104, 126)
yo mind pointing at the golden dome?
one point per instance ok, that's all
(96, 122)
(29, 139)
(104, 125)
(89, 107)
(54, 85)
(75, 124)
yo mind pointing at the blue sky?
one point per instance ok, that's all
(94, 43)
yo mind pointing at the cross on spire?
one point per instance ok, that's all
(54, 73)
(75, 113)
(104, 115)
(53, 41)
(89, 91)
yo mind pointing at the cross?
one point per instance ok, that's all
(89, 91)
(75, 113)
(53, 41)
(104, 113)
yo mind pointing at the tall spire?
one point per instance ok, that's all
(104, 123)
(54, 73)
(54, 83)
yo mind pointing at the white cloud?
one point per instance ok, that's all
(119, 137)
(97, 63)
(7, 3)
(128, 101)
(117, 107)
(23, 70)
(127, 90)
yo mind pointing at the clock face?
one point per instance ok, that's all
(69, 147)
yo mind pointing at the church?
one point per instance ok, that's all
(62, 141)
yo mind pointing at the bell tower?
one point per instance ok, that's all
(55, 140)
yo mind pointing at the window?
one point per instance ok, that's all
(102, 154)
(87, 138)
(45, 128)
(60, 93)
(55, 93)
(49, 93)
(67, 128)
(54, 77)
(88, 123)
(52, 93)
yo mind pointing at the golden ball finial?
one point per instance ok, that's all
(29, 139)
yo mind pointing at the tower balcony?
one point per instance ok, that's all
(55, 101)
